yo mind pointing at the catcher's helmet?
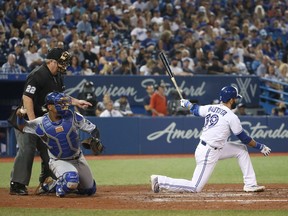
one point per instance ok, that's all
(50, 98)
(229, 92)
(61, 102)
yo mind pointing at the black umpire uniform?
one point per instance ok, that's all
(38, 84)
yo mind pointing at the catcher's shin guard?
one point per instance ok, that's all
(67, 183)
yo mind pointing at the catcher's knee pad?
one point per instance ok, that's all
(89, 191)
(70, 181)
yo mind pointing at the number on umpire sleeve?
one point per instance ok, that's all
(30, 89)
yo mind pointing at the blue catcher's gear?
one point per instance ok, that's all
(67, 183)
(50, 98)
(62, 140)
(229, 92)
(61, 102)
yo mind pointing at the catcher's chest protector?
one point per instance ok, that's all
(63, 139)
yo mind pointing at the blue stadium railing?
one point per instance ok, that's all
(269, 96)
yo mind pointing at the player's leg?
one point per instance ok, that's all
(45, 170)
(206, 160)
(21, 173)
(87, 185)
(240, 151)
(47, 178)
(67, 176)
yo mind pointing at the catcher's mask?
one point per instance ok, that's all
(62, 57)
(61, 102)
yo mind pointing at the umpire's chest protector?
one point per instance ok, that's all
(62, 137)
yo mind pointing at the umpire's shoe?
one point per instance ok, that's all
(18, 189)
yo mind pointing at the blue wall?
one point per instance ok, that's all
(179, 135)
(172, 135)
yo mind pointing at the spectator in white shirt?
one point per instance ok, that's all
(240, 66)
(110, 111)
(156, 17)
(139, 32)
(146, 69)
(33, 58)
(122, 104)
(178, 71)
(11, 66)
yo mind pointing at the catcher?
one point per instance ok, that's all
(59, 130)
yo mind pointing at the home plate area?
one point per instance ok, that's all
(213, 197)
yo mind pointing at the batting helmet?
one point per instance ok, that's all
(229, 92)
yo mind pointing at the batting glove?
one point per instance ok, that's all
(185, 103)
(265, 150)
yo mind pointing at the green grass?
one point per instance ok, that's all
(77, 212)
(138, 171)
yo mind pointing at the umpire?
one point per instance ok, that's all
(41, 81)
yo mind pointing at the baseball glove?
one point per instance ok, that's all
(94, 144)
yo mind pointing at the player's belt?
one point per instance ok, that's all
(204, 143)
(76, 157)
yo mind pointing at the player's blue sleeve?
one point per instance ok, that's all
(195, 109)
(244, 137)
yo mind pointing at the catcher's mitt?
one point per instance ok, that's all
(94, 144)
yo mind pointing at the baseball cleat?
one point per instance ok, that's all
(60, 192)
(254, 188)
(154, 183)
(48, 186)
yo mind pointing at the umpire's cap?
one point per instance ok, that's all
(55, 53)
(229, 92)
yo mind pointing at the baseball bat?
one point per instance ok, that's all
(170, 72)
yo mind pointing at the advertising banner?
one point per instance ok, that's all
(203, 89)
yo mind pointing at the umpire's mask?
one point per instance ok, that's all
(64, 61)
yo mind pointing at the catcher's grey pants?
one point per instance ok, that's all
(23, 162)
(80, 165)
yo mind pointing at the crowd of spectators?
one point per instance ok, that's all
(125, 36)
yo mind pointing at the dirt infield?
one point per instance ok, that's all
(214, 197)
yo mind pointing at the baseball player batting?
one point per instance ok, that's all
(59, 130)
(213, 146)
